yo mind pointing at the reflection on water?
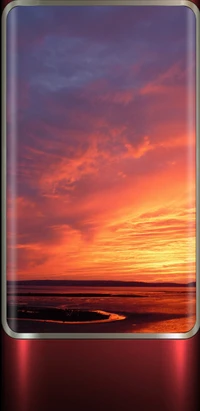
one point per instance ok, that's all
(151, 309)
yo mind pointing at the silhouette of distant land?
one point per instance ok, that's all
(97, 283)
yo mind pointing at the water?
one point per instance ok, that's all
(146, 309)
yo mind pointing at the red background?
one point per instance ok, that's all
(100, 375)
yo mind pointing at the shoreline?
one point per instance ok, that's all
(113, 323)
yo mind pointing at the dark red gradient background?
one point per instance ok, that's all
(100, 375)
(157, 375)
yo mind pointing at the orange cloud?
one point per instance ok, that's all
(141, 149)
(141, 227)
(109, 187)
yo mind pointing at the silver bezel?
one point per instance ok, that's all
(88, 336)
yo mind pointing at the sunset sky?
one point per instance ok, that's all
(101, 143)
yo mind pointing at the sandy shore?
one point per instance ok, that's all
(116, 323)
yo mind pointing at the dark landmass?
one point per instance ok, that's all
(55, 314)
(94, 295)
(97, 283)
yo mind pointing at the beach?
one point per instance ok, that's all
(106, 310)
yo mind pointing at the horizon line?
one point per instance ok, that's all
(101, 281)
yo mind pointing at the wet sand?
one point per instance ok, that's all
(105, 310)
(100, 322)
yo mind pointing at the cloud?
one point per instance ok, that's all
(103, 144)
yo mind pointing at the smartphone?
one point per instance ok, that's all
(100, 275)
